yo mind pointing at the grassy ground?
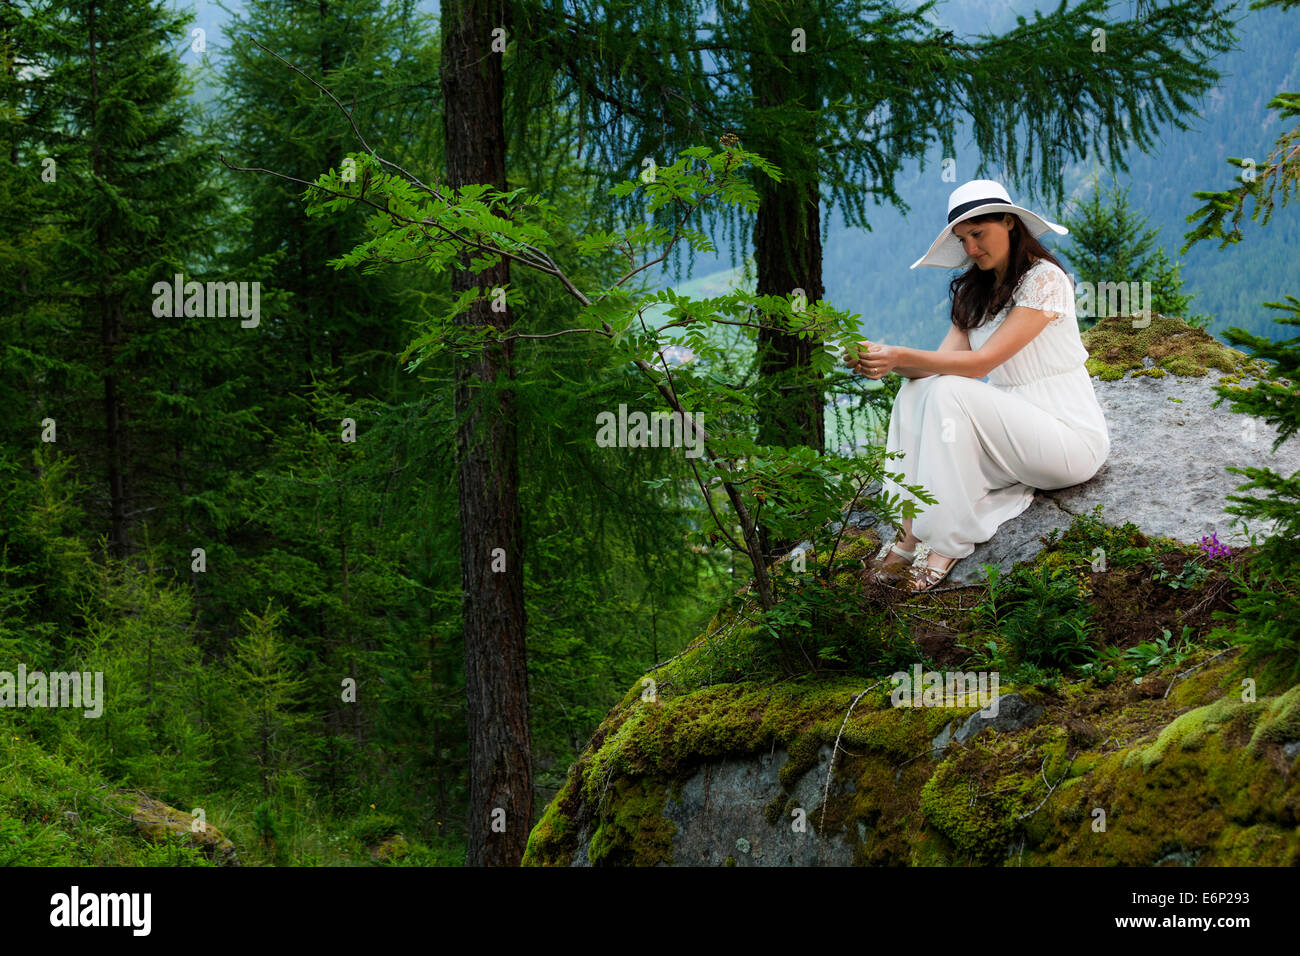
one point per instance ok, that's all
(56, 813)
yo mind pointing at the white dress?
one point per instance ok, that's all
(981, 448)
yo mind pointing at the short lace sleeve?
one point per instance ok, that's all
(1044, 288)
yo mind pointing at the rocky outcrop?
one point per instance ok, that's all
(1183, 765)
(1199, 776)
(713, 813)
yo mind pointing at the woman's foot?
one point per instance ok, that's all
(936, 569)
(898, 557)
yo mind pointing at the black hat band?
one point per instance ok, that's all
(967, 206)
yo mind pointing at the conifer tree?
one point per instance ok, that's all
(315, 318)
(264, 678)
(1167, 296)
(1108, 244)
(378, 56)
(139, 632)
(1111, 250)
(1267, 618)
(127, 190)
(29, 318)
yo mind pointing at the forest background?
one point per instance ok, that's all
(256, 532)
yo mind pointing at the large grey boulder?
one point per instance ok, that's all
(720, 816)
(1166, 473)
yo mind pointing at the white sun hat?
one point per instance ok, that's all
(976, 198)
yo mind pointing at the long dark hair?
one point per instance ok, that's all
(976, 294)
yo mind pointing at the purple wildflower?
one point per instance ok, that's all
(1212, 546)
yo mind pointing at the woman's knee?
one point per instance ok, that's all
(1084, 466)
(922, 382)
(945, 386)
(947, 396)
(909, 394)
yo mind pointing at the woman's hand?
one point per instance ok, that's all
(877, 361)
(853, 359)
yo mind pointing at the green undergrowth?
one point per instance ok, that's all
(1151, 748)
(54, 812)
(1100, 601)
(819, 623)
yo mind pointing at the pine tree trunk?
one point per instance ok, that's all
(110, 335)
(496, 678)
(787, 233)
(788, 256)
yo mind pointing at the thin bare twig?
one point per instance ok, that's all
(830, 770)
(830, 562)
(342, 109)
(1192, 670)
(1051, 787)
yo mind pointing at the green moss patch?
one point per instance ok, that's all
(1145, 756)
(1280, 721)
(1112, 775)
(633, 832)
(1116, 346)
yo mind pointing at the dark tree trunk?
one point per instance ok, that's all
(110, 336)
(496, 676)
(788, 256)
(787, 231)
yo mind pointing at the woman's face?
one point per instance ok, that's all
(987, 243)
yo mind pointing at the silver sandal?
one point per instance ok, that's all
(927, 577)
(877, 573)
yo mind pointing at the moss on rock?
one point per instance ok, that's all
(1160, 784)
(1173, 769)
(1280, 722)
(1116, 346)
(634, 831)
(1191, 730)
(159, 823)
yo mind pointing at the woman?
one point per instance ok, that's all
(983, 447)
